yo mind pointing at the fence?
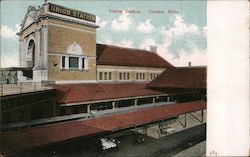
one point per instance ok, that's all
(23, 87)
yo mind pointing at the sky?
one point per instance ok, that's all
(178, 29)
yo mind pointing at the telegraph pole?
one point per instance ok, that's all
(1, 114)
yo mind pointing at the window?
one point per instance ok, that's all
(105, 75)
(63, 61)
(140, 76)
(143, 76)
(75, 109)
(110, 76)
(124, 76)
(137, 76)
(73, 62)
(83, 63)
(100, 75)
(120, 77)
(31, 53)
(128, 76)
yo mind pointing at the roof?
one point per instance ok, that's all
(73, 93)
(119, 56)
(14, 141)
(185, 77)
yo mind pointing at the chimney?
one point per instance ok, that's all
(189, 64)
(153, 49)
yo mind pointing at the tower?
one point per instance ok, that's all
(58, 44)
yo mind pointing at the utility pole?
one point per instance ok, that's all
(0, 121)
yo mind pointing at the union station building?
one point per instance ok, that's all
(61, 47)
(58, 48)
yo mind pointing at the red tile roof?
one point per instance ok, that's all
(119, 56)
(186, 77)
(15, 141)
(73, 93)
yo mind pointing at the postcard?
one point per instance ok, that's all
(123, 78)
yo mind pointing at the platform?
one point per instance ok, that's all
(28, 138)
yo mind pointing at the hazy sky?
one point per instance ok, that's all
(178, 31)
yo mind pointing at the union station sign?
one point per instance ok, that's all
(70, 12)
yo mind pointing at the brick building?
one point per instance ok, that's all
(58, 46)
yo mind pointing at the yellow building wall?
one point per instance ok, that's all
(57, 74)
(61, 36)
(116, 70)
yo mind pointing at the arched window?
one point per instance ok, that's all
(74, 59)
(31, 52)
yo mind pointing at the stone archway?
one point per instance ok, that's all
(31, 52)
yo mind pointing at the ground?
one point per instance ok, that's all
(196, 150)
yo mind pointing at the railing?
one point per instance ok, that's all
(23, 87)
(129, 108)
(44, 121)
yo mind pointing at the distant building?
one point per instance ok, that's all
(8, 76)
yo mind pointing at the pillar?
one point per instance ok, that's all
(202, 119)
(79, 63)
(21, 52)
(88, 108)
(22, 59)
(37, 50)
(185, 120)
(145, 130)
(136, 101)
(66, 62)
(0, 118)
(153, 99)
(113, 105)
(54, 108)
(46, 47)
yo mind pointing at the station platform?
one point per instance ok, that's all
(29, 138)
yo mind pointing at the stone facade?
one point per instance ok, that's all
(53, 34)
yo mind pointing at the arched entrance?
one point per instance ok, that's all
(31, 53)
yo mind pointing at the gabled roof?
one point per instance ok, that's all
(185, 77)
(74, 93)
(119, 56)
(29, 18)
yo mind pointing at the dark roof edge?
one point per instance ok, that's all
(127, 48)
